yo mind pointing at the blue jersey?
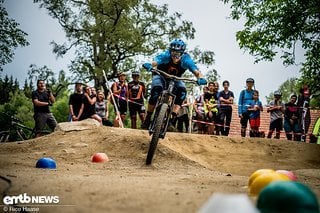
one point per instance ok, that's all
(245, 99)
(165, 63)
(255, 114)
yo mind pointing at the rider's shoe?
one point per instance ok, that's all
(171, 128)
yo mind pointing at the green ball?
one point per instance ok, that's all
(287, 196)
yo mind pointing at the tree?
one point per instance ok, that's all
(56, 85)
(287, 88)
(271, 25)
(11, 37)
(113, 35)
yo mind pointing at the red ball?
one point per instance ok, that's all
(289, 174)
(100, 158)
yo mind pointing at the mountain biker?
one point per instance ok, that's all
(174, 61)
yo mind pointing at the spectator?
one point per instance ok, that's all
(211, 106)
(225, 98)
(276, 109)
(255, 107)
(245, 98)
(75, 102)
(291, 119)
(42, 98)
(136, 94)
(198, 107)
(88, 106)
(101, 108)
(120, 92)
(304, 111)
(183, 117)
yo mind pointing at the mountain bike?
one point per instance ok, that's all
(16, 131)
(163, 110)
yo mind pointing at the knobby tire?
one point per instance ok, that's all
(156, 134)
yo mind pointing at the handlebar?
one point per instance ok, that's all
(160, 72)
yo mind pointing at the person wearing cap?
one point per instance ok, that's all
(291, 119)
(276, 109)
(120, 93)
(304, 110)
(136, 94)
(75, 102)
(245, 99)
(174, 61)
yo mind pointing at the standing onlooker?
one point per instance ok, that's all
(245, 98)
(291, 119)
(255, 107)
(225, 98)
(276, 109)
(75, 102)
(88, 106)
(183, 116)
(304, 110)
(198, 106)
(120, 93)
(101, 107)
(136, 94)
(211, 106)
(42, 99)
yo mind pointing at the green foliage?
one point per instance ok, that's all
(7, 85)
(272, 25)
(289, 87)
(11, 37)
(114, 35)
(19, 106)
(60, 108)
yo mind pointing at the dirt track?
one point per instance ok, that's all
(187, 169)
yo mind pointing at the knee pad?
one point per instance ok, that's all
(181, 94)
(155, 92)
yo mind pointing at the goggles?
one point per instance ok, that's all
(176, 54)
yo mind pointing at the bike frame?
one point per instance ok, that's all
(164, 107)
(166, 97)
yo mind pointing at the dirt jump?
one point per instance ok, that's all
(186, 170)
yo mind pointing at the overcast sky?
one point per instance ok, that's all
(214, 32)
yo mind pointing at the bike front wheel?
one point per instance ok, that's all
(158, 128)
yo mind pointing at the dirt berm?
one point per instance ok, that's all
(187, 169)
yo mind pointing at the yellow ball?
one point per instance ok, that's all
(257, 173)
(263, 180)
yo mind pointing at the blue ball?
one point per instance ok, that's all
(46, 163)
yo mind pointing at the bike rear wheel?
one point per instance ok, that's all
(158, 128)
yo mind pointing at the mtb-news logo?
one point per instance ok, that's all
(24, 199)
(30, 199)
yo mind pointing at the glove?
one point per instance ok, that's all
(147, 66)
(201, 81)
